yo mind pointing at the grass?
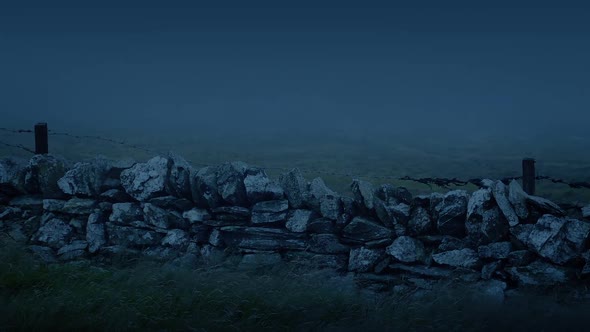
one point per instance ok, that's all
(148, 295)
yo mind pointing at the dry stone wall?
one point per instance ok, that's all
(166, 209)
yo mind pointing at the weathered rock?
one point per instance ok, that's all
(270, 212)
(586, 211)
(539, 274)
(363, 192)
(125, 213)
(115, 196)
(200, 233)
(479, 201)
(85, 178)
(215, 238)
(420, 222)
(178, 177)
(486, 226)
(298, 220)
(204, 187)
(317, 191)
(423, 271)
(176, 238)
(172, 203)
(260, 188)
(545, 206)
(392, 195)
(520, 258)
(498, 250)
(327, 244)
(53, 205)
(232, 213)
(196, 215)
(262, 238)
(521, 232)
(42, 175)
(79, 206)
(488, 270)
(321, 226)
(12, 176)
(518, 197)
(466, 258)
(363, 259)
(45, 254)
(230, 183)
(330, 206)
(54, 233)
(349, 210)
(364, 230)
(296, 188)
(146, 180)
(391, 213)
(161, 218)
(558, 239)
(73, 250)
(132, 237)
(95, 232)
(501, 196)
(451, 213)
(586, 268)
(251, 261)
(406, 249)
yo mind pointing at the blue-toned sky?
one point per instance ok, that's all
(286, 66)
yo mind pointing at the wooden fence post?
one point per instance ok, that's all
(528, 175)
(41, 139)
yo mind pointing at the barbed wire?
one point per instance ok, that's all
(428, 181)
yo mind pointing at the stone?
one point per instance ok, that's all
(518, 198)
(318, 261)
(85, 178)
(422, 271)
(33, 203)
(204, 187)
(252, 261)
(298, 220)
(391, 213)
(230, 183)
(539, 274)
(45, 254)
(558, 239)
(498, 250)
(501, 196)
(178, 179)
(466, 258)
(115, 196)
(545, 206)
(363, 259)
(53, 205)
(147, 180)
(172, 203)
(586, 268)
(196, 215)
(363, 230)
(262, 238)
(520, 258)
(420, 222)
(330, 207)
(479, 201)
(586, 211)
(161, 218)
(215, 238)
(406, 249)
(521, 232)
(317, 191)
(43, 173)
(392, 195)
(488, 270)
(486, 226)
(327, 244)
(232, 213)
(79, 206)
(260, 188)
(321, 226)
(363, 192)
(270, 212)
(451, 213)
(54, 233)
(73, 246)
(12, 176)
(295, 187)
(95, 232)
(125, 213)
(449, 243)
(132, 237)
(176, 238)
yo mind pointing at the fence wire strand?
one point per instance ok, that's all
(429, 181)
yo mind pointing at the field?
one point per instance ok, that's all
(340, 158)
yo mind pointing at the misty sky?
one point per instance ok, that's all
(338, 68)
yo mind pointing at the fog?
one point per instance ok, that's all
(443, 73)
